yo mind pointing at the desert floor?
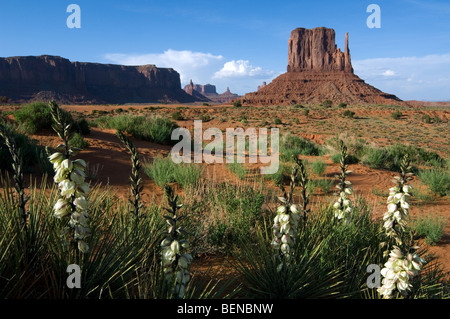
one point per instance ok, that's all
(372, 123)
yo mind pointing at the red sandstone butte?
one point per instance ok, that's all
(318, 70)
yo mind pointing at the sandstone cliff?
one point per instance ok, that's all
(317, 70)
(24, 79)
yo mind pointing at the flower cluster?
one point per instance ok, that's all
(343, 206)
(175, 265)
(398, 272)
(285, 227)
(397, 213)
(70, 177)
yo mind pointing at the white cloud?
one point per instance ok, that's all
(190, 65)
(240, 68)
(389, 73)
(410, 78)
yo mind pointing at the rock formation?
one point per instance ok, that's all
(264, 84)
(317, 70)
(24, 79)
(208, 93)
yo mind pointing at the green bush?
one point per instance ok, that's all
(327, 103)
(431, 228)
(292, 145)
(154, 129)
(352, 159)
(31, 153)
(177, 116)
(164, 171)
(33, 117)
(78, 141)
(237, 103)
(342, 105)
(426, 118)
(397, 115)
(277, 121)
(348, 113)
(437, 179)
(318, 167)
(238, 169)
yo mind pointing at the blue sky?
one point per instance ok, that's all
(240, 43)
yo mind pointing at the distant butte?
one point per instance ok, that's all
(317, 70)
(208, 93)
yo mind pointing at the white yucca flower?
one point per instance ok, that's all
(179, 271)
(343, 206)
(285, 227)
(70, 177)
(398, 272)
(397, 210)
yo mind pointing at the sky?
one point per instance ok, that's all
(240, 44)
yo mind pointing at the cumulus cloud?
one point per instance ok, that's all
(190, 65)
(410, 78)
(240, 68)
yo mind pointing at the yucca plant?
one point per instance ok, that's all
(135, 178)
(343, 206)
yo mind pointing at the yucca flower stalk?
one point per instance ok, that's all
(70, 177)
(396, 217)
(135, 178)
(302, 180)
(398, 272)
(286, 222)
(401, 268)
(175, 263)
(343, 206)
(18, 174)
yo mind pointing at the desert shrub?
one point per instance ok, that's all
(437, 179)
(324, 184)
(36, 116)
(238, 169)
(348, 113)
(390, 157)
(318, 167)
(352, 159)
(33, 117)
(78, 141)
(327, 103)
(164, 171)
(292, 145)
(306, 112)
(342, 105)
(397, 115)
(154, 129)
(426, 118)
(277, 121)
(298, 106)
(31, 153)
(232, 215)
(237, 103)
(177, 116)
(205, 104)
(205, 118)
(430, 227)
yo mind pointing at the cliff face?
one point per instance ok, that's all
(317, 70)
(316, 50)
(30, 78)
